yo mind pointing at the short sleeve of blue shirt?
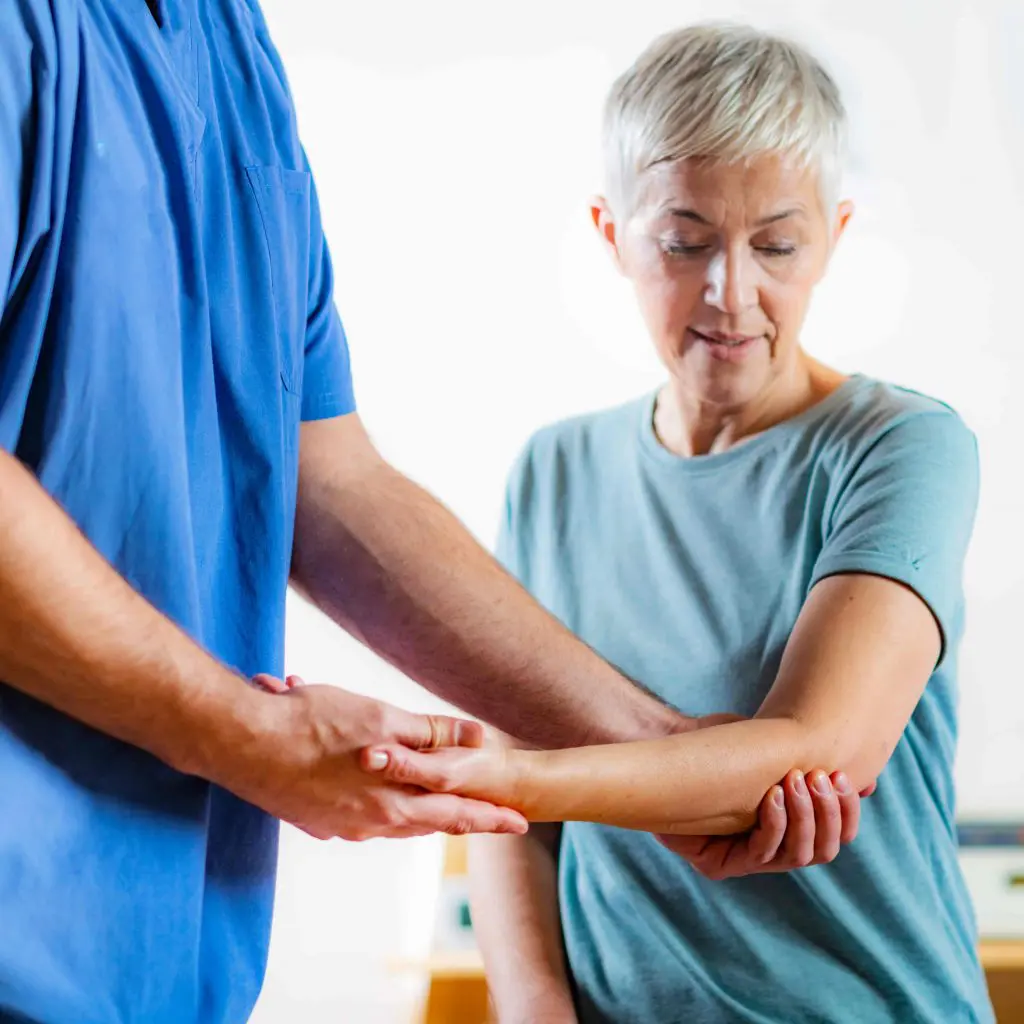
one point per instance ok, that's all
(327, 375)
(905, 511)
(327, 385)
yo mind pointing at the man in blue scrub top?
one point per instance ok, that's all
(177, 441)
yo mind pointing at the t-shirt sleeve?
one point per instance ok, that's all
(510, 544)
(906, 510)
(505, 544)
(327, 373)
(27, 74)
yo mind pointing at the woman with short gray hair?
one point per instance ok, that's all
(764, 536)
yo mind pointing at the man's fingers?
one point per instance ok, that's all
(468, 734)
(754, 853)
(849, 807)
(706, 854)
(770, 832)
(719, 857)
(431, 732)
(436, 812)
(724, 857)
(797, 824)
(270, 683)
(827, 819)
(688, 847)
(798, 846)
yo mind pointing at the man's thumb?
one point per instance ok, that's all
(431, 732)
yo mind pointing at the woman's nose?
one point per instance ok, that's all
(731, 283)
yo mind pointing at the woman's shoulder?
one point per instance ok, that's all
(588, 434)
(884, 431)
(875, 408)
(570, 452)
(896, 399)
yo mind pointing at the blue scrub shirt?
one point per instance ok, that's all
(167, 321)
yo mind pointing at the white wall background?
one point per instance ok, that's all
(455, 144)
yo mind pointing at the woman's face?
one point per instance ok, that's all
(723, 260)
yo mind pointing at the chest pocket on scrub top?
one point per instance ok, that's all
(283, 200)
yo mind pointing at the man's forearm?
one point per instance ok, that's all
(74, 635)
(392, 566)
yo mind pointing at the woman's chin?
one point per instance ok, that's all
(723, 384)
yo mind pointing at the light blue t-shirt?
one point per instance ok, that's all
(689, 575)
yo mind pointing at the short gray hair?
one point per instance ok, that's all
(726, 93)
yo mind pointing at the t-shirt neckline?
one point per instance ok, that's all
(769, 438)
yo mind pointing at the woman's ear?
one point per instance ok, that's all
(841, 217)
(843, 214)
(604, 220)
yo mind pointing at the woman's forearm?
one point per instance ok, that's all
(708, 782)
(853, 671)
(516, 918)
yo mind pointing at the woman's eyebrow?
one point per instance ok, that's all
(685, 213)
(795, 211)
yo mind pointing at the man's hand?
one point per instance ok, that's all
(302, 766)
(798, 825)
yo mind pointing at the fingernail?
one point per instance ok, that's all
(799, 786)
(778, 797)
(842, 783)
(821, 784)
(377, 761)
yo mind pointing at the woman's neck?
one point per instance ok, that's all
(687, 426)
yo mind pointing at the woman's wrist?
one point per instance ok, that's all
(519, 769)
(533, 777)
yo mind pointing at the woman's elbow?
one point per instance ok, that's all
(859, 753)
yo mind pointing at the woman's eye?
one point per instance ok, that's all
(776, 250)
(684, 249)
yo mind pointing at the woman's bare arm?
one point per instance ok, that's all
(855, 667)
(517, 922)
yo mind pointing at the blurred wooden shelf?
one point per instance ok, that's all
(996, 955)
(458, 986)
(465, 964)
(1002, 954)
(456, 989)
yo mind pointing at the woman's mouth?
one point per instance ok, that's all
(730, 348)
